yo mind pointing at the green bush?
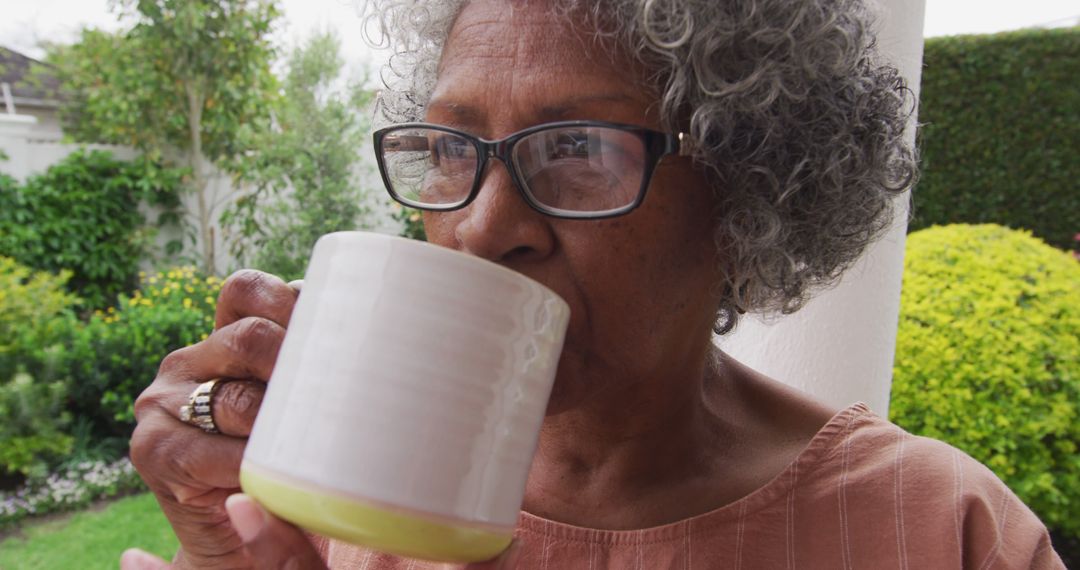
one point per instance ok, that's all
(9, 187)
(116, 354)
(83, 215)
(988, 358)
(35, 313)
(32, 428)
(62, 377)
(1000, 132)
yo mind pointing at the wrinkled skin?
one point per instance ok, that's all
(193, 473)
(648, 422)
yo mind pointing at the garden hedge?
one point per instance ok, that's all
(1000, 132)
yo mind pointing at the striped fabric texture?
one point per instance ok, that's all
(863, 494)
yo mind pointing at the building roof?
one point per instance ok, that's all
(32, 82)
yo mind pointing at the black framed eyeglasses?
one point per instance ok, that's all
(567, 169)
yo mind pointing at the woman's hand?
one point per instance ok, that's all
(268, 542)
(192, 472)
(196, 475)
(275, 544)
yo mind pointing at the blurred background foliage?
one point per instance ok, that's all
(83, 215)
(180, 82)
(72, 381)
(303, 168)
(115, 353)
(999, 132)
(35, 310)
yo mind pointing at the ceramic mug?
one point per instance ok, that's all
(405, 405)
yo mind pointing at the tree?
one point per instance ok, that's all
(184, 78)
(304, 166)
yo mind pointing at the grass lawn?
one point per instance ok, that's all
(91, 539)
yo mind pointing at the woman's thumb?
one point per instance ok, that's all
(135, 559)
(271, 542)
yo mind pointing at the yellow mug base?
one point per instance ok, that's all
(357, 522)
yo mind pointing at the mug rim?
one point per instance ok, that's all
(417, 244)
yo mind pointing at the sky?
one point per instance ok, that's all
(24, 24)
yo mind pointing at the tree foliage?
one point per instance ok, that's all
(184, 77)
(304, 166)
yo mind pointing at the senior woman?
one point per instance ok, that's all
(666, 166)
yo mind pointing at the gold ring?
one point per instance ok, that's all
(197, 411)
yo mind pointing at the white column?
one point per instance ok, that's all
(840, 347)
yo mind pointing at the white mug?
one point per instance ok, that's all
(405, 405)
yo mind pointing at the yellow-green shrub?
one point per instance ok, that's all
(32, 425)
(988, 358)
(35, 316)
(33, 309)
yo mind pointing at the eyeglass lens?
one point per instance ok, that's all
(574, 169)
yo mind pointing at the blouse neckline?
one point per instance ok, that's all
(810, 458)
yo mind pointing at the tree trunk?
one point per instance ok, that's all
(195, 160)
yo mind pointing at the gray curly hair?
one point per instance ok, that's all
(799, 124)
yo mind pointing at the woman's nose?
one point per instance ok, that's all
(500, 226)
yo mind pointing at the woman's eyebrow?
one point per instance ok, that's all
(456, 113)
(453, 113)
(568, 108)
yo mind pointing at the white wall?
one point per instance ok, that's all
(32, 143)
(840, 347)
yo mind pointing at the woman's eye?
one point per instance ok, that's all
(571, 145)
(451, 148)
(585, 145)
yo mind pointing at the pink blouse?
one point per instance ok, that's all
(863, 494)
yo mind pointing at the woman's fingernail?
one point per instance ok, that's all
(247, 517)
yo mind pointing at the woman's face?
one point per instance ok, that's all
(641, 286)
